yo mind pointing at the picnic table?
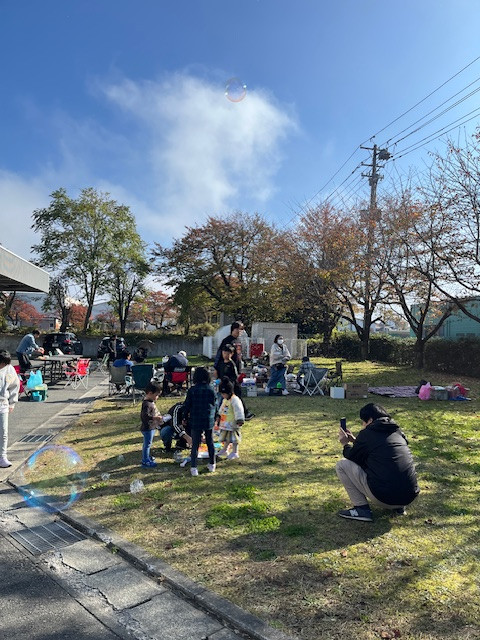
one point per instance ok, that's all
(52, 366)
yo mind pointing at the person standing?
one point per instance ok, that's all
(9, 387)
(233, 339)
(26, 347)
(378, 467)
(231, 419)
(199, 410)
(151, 419)
(279, 356)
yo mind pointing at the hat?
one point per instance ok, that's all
(182, 353)
(305, 359)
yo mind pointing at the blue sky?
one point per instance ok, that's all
(128, 97)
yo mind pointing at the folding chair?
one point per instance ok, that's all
(179, 378)
(103, 366)
(119, 379)
(315, 382)
(335, 376)
(78, 374)
(142, 375)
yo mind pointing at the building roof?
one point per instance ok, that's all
(17, 274)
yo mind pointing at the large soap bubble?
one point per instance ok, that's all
(235, 90)
(53, 478)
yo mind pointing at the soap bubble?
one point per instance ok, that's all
(52, 478)
(235, 90)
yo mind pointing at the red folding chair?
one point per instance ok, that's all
(179, 378)
(78, 374)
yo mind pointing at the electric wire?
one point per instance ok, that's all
(422, 100)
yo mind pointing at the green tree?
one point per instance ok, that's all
(128, 270)
(79, 240)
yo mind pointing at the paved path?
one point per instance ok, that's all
(99, 587)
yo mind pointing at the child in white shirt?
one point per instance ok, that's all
(231, 416)
(9, 387)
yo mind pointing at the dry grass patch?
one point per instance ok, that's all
(263, 530)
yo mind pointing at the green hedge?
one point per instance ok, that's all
(460, 357)
(454, 356)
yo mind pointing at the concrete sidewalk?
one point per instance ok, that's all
(79, 580)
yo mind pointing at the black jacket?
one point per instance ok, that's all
(381, 449)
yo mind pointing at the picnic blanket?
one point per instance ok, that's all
(394, 392)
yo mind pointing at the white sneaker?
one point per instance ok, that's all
(233, 456)
(194, 471)
(211, 467)
(5, 462)
(223, 453)
(285, 392)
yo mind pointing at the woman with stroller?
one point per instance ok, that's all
(279, 356)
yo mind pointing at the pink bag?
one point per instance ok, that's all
(425, 391)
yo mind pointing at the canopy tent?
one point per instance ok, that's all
(17, 274)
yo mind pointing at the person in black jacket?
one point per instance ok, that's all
(378, 467)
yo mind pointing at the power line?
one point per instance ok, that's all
(423, 99)
(455, 104)
(421, 143)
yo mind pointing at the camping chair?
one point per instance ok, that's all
(142, 375)
(315, 381)
(179, 377)
(120, 379)
(103, 365)
(78, 374)
(335, 376)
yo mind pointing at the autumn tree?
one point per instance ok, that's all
(153, 308)
(23, 312)
(235, 260)
(408, 260)
(343, 246)
(78, 240)
(453, 194)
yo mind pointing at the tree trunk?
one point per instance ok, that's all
(420, 353)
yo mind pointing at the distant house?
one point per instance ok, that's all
(458, 325)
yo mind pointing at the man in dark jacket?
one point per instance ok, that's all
(378, 467)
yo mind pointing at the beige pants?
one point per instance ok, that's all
(354, 479)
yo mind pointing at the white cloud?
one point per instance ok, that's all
(175, 151)
(207, 154)
(19, 197)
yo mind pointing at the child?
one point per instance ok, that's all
(199, 410)
(9, 386)
(175, 426)
(232, 417)
(151, 420)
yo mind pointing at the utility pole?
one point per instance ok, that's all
(372, 217)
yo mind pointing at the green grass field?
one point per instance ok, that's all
(263, 530)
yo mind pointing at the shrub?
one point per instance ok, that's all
(347, 345)
(454, 356)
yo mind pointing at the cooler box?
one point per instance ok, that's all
(249, 386)
(39, 393)
(439, 393)
(337, 392)
(355, 390)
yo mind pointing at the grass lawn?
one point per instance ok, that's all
(263, 530)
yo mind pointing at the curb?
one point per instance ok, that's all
(220, 607)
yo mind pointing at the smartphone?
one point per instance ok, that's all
(343, 425)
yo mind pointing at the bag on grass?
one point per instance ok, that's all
(425, 391)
